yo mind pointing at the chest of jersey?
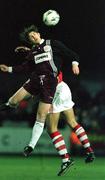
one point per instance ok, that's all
(42, 53)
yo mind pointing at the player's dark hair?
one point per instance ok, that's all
(24, 36)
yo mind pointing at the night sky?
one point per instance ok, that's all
(81, 28)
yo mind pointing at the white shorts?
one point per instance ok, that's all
(62, 99)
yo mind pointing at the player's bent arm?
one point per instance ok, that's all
(24, 67)
(22, 49)
(65, 51)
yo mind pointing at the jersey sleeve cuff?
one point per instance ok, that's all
(10, 69)
(75, 62)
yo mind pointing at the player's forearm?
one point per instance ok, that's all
(11, 69)
(24, 68)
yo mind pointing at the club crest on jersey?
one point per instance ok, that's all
(47, 48)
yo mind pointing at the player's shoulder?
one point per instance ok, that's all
(56, 42)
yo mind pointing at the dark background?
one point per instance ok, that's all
(81, 28)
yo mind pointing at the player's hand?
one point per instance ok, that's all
(21, 49)
(4, 68)
(75, 69)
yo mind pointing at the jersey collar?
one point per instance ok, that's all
(42, 40)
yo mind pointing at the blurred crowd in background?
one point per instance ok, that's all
(89, 110)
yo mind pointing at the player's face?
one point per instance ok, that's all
(34, 37)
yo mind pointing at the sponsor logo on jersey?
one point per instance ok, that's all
(42, 57)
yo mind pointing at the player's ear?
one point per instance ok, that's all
(38, 33)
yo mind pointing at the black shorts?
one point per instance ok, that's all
(43, 86)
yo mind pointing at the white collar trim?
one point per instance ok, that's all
(42, 40)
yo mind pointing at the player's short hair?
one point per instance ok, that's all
(24, 36)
